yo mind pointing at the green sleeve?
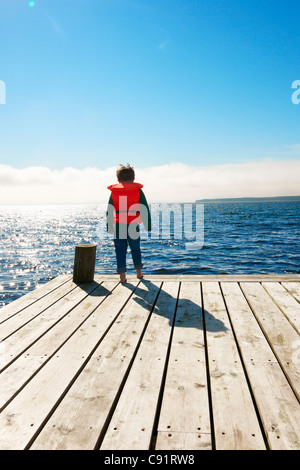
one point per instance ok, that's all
(145, 212)
(109, 215)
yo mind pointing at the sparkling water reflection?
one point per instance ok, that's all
(37, 243)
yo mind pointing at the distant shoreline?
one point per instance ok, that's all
(254, 199)
(217, 200)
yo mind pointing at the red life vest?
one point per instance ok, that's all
(126, 197)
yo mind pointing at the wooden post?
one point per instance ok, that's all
(84, 263)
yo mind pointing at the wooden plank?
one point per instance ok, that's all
(253, 344)
(15, 322)
(81, 416)
(18, 342)
(208, 277)
(184, 416)
(15, 377)
(282, 337)
(277, 405)
(276, 402)
(285, 302)
(24, 301)
(182, 441)
(27, 413)
(293, 288)
(64, 384)
(132, 423)
(236, 424)
(188, 331)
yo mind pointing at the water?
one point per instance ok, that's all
(37, 243)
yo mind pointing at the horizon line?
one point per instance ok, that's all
(225, 199)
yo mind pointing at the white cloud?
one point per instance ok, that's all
(174, 182)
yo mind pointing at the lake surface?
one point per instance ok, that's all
(37, 243)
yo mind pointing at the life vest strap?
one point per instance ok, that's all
(129, 212)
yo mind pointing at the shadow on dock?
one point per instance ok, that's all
(188, 314)
(94, 289)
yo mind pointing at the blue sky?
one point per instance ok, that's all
(99, 82)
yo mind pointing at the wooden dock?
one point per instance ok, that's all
(167, 362)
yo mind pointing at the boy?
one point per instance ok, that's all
(127, 208)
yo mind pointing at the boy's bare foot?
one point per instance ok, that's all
(122, 277)
(139, 274)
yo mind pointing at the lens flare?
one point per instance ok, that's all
(31, 4)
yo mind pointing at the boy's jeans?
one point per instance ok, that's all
(121, 240)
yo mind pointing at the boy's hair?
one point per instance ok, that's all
(125, 173)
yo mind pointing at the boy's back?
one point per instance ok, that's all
(127, 208)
